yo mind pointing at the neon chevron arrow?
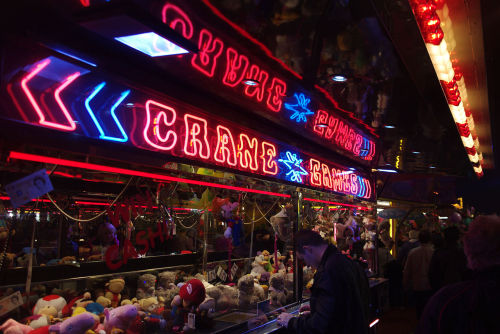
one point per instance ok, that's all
(71, 126)
(102, 135)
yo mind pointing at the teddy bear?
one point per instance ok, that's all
(146, 284)
(278, 294)
(113, 291)
(226, 297)
(249, 292)
(153, 321)
(167, 289)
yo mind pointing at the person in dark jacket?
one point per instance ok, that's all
(338, 296)
(448, 264)
(471, 306)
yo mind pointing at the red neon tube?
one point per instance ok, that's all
(336, 203)
(102, 168)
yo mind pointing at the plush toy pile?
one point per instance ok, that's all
(163, 303)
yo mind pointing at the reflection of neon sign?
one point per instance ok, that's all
(294, 165)
(177, 129)
(300, 109)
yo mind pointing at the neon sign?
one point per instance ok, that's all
(294, 165)
(175, 128)
(222, 62)
(299, 109)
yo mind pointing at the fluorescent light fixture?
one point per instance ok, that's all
(351, 168)
(151, 44)
(389, 126)
(384, 203)
(443, 217)
(415, 152)
(339, 78)
(432, 166)
(383, 170)
(251, 82)
(322, 125)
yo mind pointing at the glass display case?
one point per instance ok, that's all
(98, 229)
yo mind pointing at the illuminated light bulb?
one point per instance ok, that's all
(471, 150)
(438, 3)
(467, 141)
(474, 158)
(434, 37)
(478, 169)
(458, 113)
(425, 11)
(432, 24)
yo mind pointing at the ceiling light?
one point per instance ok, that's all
(415, 152)
(389, 126)
(339, 78)
(384, 170)
(151, 44)
(251, 82)
(432, 166)
(321, 125)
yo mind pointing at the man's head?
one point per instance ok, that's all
(424, 237)
(310, 247)
(482, 242)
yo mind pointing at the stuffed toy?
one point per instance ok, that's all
(78, 324)
(153, 321)
(261, 264)
(13, 327)
(80, 301)
(146, 285)
(114, 288)
(119, 318)
(167, 289)
(279, 266)
(278, 294)
(49, 301)
(45, 316)
(190, 296)
(281, 225)
(234, 224)
(225, 297)
(249, 292)
(103, 301)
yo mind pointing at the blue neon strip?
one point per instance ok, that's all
(120, 100)
(75, 57)
(122, 97)
(97, 89)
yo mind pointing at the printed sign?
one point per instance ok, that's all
(211, 275)
(29, 187)
(10, 302)
(234, 270)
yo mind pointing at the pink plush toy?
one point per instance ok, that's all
(79, 324)
(13, 327)
(119, 318)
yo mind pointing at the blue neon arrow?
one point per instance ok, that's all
(122, 97)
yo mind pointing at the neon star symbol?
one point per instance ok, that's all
(300, 109)
(294, 165)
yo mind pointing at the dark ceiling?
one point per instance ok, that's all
(377, 46)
